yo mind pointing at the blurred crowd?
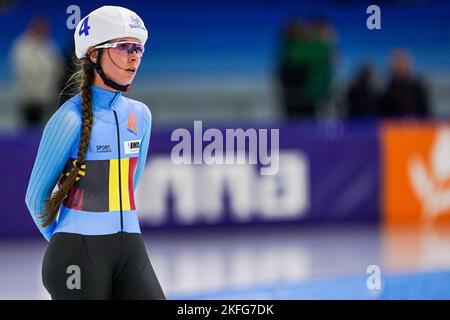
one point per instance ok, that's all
(308, 59)
(404, 93)
(307, 64)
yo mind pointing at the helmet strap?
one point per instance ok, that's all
(106, 81)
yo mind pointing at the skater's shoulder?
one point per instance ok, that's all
(142, 107)
(69, 112)
(73, 105)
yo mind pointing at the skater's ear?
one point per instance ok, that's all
(92, 54)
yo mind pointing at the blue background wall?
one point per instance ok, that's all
(196, 38)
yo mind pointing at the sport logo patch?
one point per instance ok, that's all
(103, 148)
(132, 146)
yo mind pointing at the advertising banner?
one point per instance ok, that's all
(304, 172)
(416, 172)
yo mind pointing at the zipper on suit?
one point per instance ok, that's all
(120, 182)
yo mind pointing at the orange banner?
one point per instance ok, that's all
(416, 173)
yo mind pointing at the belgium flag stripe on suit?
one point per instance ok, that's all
(88, 196)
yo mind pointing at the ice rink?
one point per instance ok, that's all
(286, 262)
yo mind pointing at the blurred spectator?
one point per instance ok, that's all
(36, 64)
(405, 94)
(362, 98)
(321, 63)
(305, 66)
(293, 70)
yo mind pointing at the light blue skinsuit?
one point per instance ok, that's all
(102, 199)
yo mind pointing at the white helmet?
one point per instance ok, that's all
(107, 23)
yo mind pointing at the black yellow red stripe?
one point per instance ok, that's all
(97, 188)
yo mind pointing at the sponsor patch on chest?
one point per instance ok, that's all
(132, 146)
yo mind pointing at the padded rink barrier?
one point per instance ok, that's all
(405, 286)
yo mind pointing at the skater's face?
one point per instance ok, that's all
(120, 63)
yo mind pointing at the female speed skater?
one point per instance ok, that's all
(94, 147)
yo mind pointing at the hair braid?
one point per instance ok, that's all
(53, 203)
